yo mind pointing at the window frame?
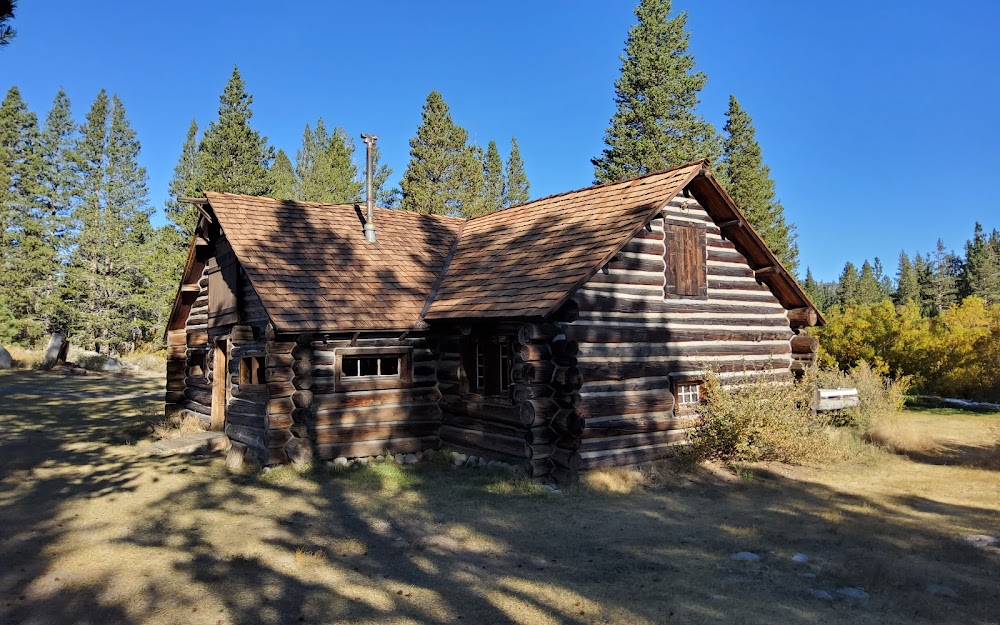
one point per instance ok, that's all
(677, 236)
(403, 378)
(679, 381)
(478, 349)
(251, 372)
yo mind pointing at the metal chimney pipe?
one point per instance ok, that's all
(369, 183)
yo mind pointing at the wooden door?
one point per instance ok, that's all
(220, 395)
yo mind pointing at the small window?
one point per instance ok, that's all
(487, 363)
(252, 370)
(370, 366)
(688, 394)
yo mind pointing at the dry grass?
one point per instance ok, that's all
(93, 532)
(175, 428)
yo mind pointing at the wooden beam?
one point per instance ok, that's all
(733, 223)
(190, 288)
(771, 270)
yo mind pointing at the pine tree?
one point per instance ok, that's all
(907, 281)
(518, 187)
(24, 254)
(945, 271)
(495, 187)
(440, 177)
(385, 196)
(883, 280)
(847, 286)
(7, 32)
(923, 266)
(187, 181)
(981, 275)
(235, 158)
(325, 166)
(655, 125)
(283, 180)
(748, 181)
(823, 294)
(869, 290)
(107, 280)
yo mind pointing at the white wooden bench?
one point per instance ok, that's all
(837, 399)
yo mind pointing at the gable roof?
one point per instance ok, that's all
(313, 269)
(525, 261)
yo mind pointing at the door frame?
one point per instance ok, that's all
(220, 389)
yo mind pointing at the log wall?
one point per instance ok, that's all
(310, 416)
(635, 341)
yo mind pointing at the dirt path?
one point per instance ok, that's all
(93, 532)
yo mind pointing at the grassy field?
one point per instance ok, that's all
(93, 531)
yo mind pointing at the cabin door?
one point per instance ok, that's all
(220, 395)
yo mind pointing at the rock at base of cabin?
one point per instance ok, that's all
(419, 455)
(53, 349)
(940, 590)
(341, 462)
(397, 458)
(240, 459)
(471, 461)
(111, 365)
(458, 459)
(745, 556)
(850, 592)
(800, 558)
(820, 594)
(299, 451)
(483, 463)
(410, 459)
(6, 362)
(379, 458)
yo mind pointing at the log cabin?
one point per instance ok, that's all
(568, 333)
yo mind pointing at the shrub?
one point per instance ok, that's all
(881, 397)
(759, 419)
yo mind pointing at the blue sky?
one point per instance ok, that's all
(877, 119)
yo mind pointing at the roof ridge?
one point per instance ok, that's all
(347, 205)
(703, 162)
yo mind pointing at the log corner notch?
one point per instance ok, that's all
(805, 317)
(547, 383)
(805, 350)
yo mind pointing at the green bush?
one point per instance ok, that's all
(759, 419)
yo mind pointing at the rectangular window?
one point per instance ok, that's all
(685, 255)
(487, 362)
(688, 394)
(363, 368)
(252, 370)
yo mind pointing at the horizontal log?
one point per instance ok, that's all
(651, 261)
(176, 352)
(176, 338)
(609, 332)
(302, 352)
(628, 278)
(594, 351)
(609, 302)
(303, 381)
(378, 431)
(277, 438)
(471, 423)
(199, 395)
(278, 374)
(173, 397)
(523, 392)
(482, 409)
(384, 397)
(280, 389)
(302, 399)
(362, 416)
(280, 405)
(633, 440)
(278, 360)
(247, 420)
(618, 425)
(629, 455)
(245, 406)
(803, 317)
(278, 421)
(373, 448)
(565, 459)
(535, 412)
(535, 468)
(568, 312)
(197, 339)
(280, 347)
(562, 349)
(625, 403)
(302, 367)
(510, 445)
(537, 332)
(251, 437)
(176, 384)
(243, 333)
(804, 344)
(533, 352)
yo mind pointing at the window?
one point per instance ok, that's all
(688, 394)
(487, 362)
(369, 366)
(361, 368)
(685, 256)
(252, 370)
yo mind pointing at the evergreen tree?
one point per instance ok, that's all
(441, 176)
(187, 181)
(907, 281)
(235, 158)
(981, 275)
(923, 266)
(823, 294)
(283, 180)
(24, 255)
(655, 125)
(7, 32)
(495, 188)
(748, 181)
(883, 280)
(325, 166)
(518, 187)
(946, 269)
(107, 281)
(385, 196)
(847, 286)
(869, 290)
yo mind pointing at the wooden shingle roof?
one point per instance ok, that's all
(313, 269)
(524, 261)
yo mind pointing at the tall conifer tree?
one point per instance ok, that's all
(748, 181)
(385, 196)
(981, 275)
(869, 290)
(235, 157)
(440, 177)
(325, 166)
(188, 180)
(656, 124)
(847, 286)
(518, 187)
(495, 187)
(907, 281)
(283, 180)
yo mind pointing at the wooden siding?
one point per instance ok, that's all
(636, 339)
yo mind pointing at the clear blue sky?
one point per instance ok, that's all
(877, 119)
